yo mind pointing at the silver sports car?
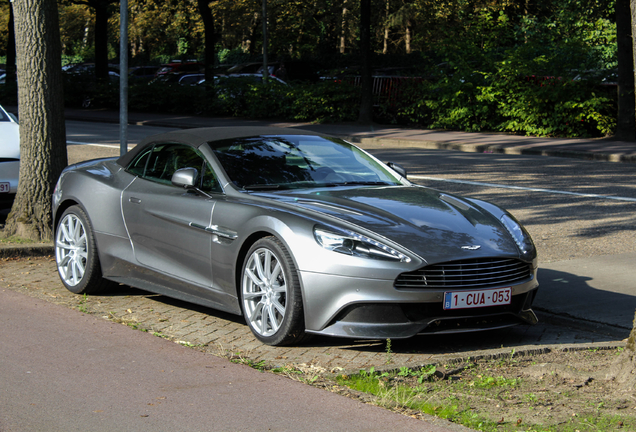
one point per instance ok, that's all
(302, 234)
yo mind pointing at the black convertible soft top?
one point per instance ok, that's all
(200, 136)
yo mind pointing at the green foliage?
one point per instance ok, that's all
(165, 98)
(532, 69)
(488, 382)
(415, 398)
(529, 89)
(324, 102)
(423, 374)
(234, 56)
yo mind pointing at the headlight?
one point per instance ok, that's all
(350, 243)
(518, 233)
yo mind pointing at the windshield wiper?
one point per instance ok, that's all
(261, 187)
(359, 183)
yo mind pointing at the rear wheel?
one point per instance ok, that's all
(76, 254)
(270, 294)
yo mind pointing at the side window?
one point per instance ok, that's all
(209, 182)
(138, 165)
(159, 164)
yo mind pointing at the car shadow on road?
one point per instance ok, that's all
(179, 305)
(575, 299)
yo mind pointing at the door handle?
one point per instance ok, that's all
(134, 200)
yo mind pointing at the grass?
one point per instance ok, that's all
(16, 240)
(455, 398)
(81, 306)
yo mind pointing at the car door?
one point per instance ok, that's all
(166, 223)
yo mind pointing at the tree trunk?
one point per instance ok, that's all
(42, 129)
(626, 122)
(385, 48)
(101, 40)
(632, 6)
(623, 370)
(209, 54)
(366, 100)
(10, 64)
(343, 29)
(407, 37)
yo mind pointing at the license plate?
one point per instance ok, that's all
(4, 187)
(475, 299)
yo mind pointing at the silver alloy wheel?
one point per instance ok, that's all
(264, 292)
(71, 249)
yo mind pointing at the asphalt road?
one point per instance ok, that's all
(63, 371)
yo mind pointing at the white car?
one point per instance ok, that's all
(9, 157)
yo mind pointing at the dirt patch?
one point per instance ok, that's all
(556, 391)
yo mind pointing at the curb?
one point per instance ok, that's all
(27, 250)
(493, 148)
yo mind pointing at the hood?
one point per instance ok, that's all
(9, 140)
(430, 223)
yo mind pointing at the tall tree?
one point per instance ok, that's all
(626, 121)
(624, 368)
(41, 105)
(209, 38)
(10, 80)
(102, 13)
(366, 101)
(343, 28)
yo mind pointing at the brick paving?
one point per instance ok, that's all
(227, 335)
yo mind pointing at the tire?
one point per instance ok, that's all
(270, 294)
(76, 254)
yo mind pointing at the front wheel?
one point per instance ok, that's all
(270, 294)
(76, 253)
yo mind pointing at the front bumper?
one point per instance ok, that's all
(374, 309)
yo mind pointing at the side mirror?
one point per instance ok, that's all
(185, 177)
(397, 168)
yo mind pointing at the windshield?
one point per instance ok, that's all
(298, 161)
(3, 115)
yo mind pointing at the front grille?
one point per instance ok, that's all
(466, 274)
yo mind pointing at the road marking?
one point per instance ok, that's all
(552, 191)
(97, 145)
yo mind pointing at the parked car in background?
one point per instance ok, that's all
(191, 79)
(87, 69)
(257, 78)
(248, 68)
(142, 73)
(172, 77)
(302, 234)
(177, 67)
(292, 70)
(9, 157)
